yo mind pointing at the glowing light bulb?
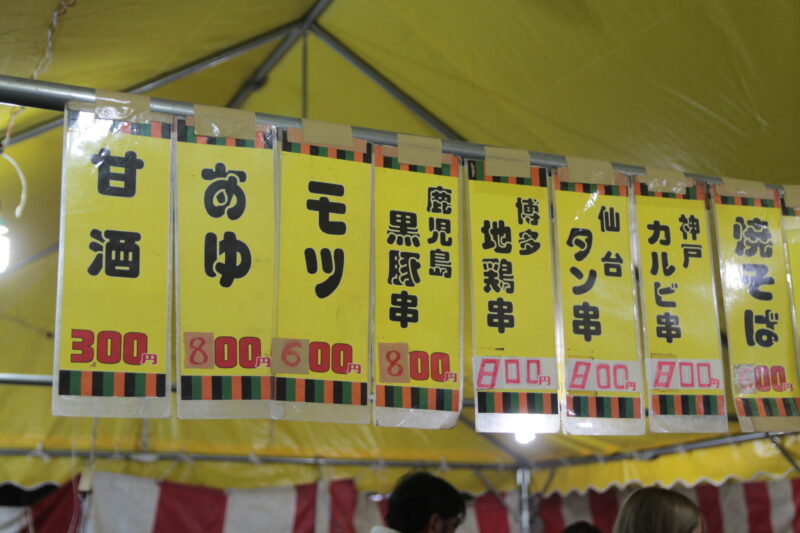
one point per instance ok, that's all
(525, 435)
(5, 248)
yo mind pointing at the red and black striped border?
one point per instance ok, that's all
(768, 406)
(320, 391)
(324, 151)
(599, 188)
(476, 171)
(446, 169)
(88, 383)
(540, 403)
(417, 398)
(226, 387)
(158, 130)
(692, 193)
(746, 200)
(687, 404)
(603, 407)
(187, 134)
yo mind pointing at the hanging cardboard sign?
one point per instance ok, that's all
(515, 368)
(758, 312)
(226, 273)
(417, 312)
(791, 236)
(112, 314)
(685, 376)
(320, 353)
(604, 386)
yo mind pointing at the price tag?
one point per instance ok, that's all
(393, 362)
(198, 349)
(290, 356)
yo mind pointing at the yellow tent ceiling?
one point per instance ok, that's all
(701, 86)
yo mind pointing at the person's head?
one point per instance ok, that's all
(581, 527)
(422, 503)
(658, 511)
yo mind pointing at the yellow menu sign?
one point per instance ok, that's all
(685, 375)
(417, 293)
(598, 309)
(112, 334)
(758, 312)
(515, 368)
(226, 274)
(320, 354)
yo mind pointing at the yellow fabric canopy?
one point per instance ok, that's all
(705, 87)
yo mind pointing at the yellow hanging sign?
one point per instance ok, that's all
(226, 273)
(758, 312)
(603, 373)
(112, 336)
(515, 364)
(320, 354)
(791, 232)
(684, 359)
(417, 292)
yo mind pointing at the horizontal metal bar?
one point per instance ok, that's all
(646, 455)
(257, 459)
(45, 380)
(207, 62)
(49, 95)
(31, 258)
(650, 454)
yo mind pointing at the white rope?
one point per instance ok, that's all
(23, 195)
(44, 61)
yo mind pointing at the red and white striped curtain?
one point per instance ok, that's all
(756, 507)
(128, 504)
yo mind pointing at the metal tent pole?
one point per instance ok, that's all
(257, 79)
(210, 61)
(786, 455)
(398, 94)
(524, 487)
(148, 457)
(50, 95)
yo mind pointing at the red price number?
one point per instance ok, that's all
(435, 366)
(110, 347)
(686, 375)
(399, 365)
(602, 376)
(337, 358)
(761, 378)
(298, 356)
(514, 373)
(203, 350)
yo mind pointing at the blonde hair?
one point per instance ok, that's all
(654, 510)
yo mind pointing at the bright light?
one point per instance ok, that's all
(525, 435)
(5, 248)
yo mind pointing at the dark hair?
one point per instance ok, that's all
(417, 497)
(657, 511)
(581, 527)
